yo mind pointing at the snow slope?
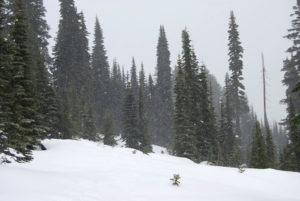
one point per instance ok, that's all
(86, 171)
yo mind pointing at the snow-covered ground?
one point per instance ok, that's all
(86, 171)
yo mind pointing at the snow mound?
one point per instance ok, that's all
(87, 171)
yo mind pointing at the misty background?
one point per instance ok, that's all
(131, 28)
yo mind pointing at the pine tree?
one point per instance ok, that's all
(38, 29)
(142, 119)
(72, 73)
(184, 142)
(25, 130)
(64, 66)
(117, 90)
(294, 134)
(287, 159)
(164, 102)
(89, 128)
(214, 146)
(207, 126)
(270, 147)
(292, 81)
(258, 153)
(236, 67)
(150, 104)
(48, 104)
(84, 78)
(109, 130)
(101, 73)
(230, 141)
(5, 74)
(134, 80)
(130, 121)
(192, 94)
(221, 135)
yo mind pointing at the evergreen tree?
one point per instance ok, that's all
(230, 139)
(271, 154)
(150, 104)
(221, 135)
(48, 104)
(64, 66)
(164, 102)
(184, 142)
(236, 67)
(38, 29)
(101, 73)
(134, 80)
(130, 122)
(25, 130)
(89, 128)
(72, 72)
(270, 147)
(207, 128)
(5, 75)
(215, 154)
(192, 94)
(258, 153)
(117, 90)
(142, 119)
(294, 134)
(109, 130)
(83, 82)
(292, 81)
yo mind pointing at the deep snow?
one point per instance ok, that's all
(86, 171)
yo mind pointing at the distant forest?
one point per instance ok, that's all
(76, 93)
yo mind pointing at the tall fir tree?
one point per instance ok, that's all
(214, 155)
(292, 81)
(163, 101)
(5, 76)
(130, 119)
(230, 138)
(207, 127)
(236, 67)
(72, 73)
(84, 82)
(142, 119)
(63, 68)
(25, 130)
(101, 74)
(117, 92)
(184, 142)
(191, 106)
(221, 135)
(48, 104)
(150, 104)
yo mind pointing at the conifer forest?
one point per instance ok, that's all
(73, 90)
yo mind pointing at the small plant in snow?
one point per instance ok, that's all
(242, 168)
(175, 179)
(162, 152)
(134, 151)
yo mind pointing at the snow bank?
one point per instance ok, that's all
(86, 171)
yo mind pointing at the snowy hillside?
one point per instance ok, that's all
(86, 171)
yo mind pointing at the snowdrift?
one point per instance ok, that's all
(87, 171)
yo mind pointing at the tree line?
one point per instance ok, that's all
(75, 94)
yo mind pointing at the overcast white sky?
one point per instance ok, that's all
(131, 29)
